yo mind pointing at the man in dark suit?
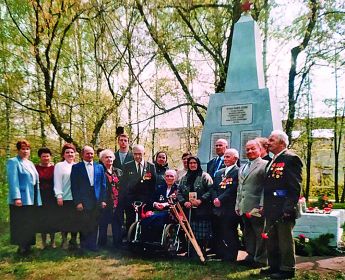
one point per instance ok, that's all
(218, 162)
(88, 186)
(281, 193)
(122, 155)
(250, 199)
(225, 219)
(139, 179)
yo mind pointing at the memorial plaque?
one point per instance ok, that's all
(245, 137)
(215, 137)
(237, 114)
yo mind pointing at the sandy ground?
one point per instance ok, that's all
(322, 264)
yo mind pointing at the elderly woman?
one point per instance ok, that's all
(161, 164)
(62, 188)
(194, 193)
(23, 197)
(152, 226)
(45, 170)
(111, 214)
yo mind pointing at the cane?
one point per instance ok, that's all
(182, 219)
(188, 244)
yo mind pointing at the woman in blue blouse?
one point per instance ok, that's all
(23, 197)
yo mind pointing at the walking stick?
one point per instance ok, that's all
(182, 219)
(188, 244)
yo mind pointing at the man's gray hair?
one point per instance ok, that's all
(222, 140)
(282, 136)
(85, 148)
(171, 171)
(139, 147)
(233, 152)
(105, 153)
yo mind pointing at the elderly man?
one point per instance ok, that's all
(122, 155)
(139, 179)
(88, 186)
(218, 162)
(225, 219)
(249, 204)
(281, 192)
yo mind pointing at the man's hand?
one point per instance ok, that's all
(216, 202)
(103, 204)
(60, 201)
(80, 207)
(18, 202)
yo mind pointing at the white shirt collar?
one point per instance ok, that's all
(229, 168)
(277, 155)
(87, 162)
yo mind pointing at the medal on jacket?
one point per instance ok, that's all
(224, 182)
(147, 176)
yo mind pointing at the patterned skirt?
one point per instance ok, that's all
(202, 229)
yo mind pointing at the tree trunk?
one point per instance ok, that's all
(292, 94)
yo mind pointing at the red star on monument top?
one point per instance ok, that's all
(245, 7)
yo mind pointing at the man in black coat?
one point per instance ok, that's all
(138, 182)
(282, 188)
(225, 219)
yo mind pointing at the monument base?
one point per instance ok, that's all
(313, 225)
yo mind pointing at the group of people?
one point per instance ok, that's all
(260, 196)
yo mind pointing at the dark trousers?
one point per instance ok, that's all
(113, 217)
(280, 245)
(88, 235)
(226, 237)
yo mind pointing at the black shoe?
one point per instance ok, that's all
(245, 262)
(268, 271)
(283, 275)
(258, 265)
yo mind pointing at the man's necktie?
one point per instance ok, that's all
(246, 168)
(139, 169)
(216, 166)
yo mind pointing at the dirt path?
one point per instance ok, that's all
(321, 264)
(318, 264)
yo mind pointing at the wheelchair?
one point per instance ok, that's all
(146, 234)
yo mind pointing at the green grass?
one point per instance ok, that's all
(60, 264)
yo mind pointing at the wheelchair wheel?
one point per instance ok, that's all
(172, 238)
(133, 233)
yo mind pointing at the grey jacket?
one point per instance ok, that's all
(250, 187)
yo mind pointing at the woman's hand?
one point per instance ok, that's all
(18, 202)
(187, 204)
(60, 201)
(158, 206)
(196, 202)
(80, 207)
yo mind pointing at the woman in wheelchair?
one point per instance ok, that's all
(152, 223)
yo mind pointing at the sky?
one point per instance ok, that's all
(322, 78)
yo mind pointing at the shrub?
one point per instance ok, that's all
(314, 247)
